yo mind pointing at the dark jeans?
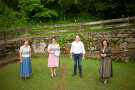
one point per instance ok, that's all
(77, 57)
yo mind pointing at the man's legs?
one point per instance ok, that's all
(79, 64)
(75, 63)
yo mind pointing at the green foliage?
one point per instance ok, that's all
(61, 41)
(36, 11)
(16, 14)
(9, 17)
(115, 41)
(85, 38)
(70, 37)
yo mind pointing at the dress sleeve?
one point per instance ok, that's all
(110, 52)
(29, 48)
(49, 46)
(99, 50)
(21, 49)
(58, 46)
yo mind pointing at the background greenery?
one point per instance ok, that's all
(16, 14)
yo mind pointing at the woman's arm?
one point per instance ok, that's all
(110, 52)
(50, 52)
(102, 55)
(21, 58)
(30, 54)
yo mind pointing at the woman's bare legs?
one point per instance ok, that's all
(54, 71)
(105, 80)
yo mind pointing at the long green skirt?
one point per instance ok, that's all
(105, 69)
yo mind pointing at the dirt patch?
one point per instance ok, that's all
(8, 59)
(61, 85)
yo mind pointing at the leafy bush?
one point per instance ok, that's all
(36, 11)
(61, 41)
(85, 38)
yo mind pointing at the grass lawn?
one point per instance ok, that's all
(123, 77)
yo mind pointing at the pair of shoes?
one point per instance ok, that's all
(73, 75)
(54, 75)
(81, 76)
(25, 77)
(28, 77)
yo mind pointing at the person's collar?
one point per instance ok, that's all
(77, 42)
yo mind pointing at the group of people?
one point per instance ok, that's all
(77, 53)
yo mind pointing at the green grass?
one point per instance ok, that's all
(123, 76)
(74, 32)
(77, 32)
(66, 28)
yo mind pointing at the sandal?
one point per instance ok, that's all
(28, 77)
(55, 75)
(105, 81)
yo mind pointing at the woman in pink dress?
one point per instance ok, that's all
(53, 61)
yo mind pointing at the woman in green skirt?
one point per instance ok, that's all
(105, 70)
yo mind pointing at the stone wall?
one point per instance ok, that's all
(122, 43)
(119, 41)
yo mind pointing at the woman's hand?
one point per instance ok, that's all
(21, 58)
(103, 55)
(21, 61)
(52, 52)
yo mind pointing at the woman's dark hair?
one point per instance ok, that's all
(53, 38)
(106, 41)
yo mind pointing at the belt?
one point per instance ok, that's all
(77, 53)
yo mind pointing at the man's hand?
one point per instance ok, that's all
(83, 57)
(70, 56)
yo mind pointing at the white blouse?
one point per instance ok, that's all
(25, 51)
(51, 48)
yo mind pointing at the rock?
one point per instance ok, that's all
(116, 38)
(129, 39)
(68, 44)
(39, 46)
(95, 39)
(93, 48)
(122, 35)
(131, 46)
(131, 36)
(123, 45)
(1, 42)
(121, 40)
(129, 32)
(125, 59)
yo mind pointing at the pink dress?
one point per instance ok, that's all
(53, 61)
